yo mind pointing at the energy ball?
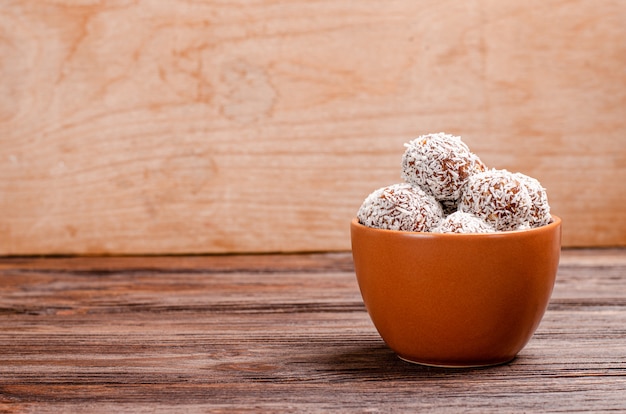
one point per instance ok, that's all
(400, 207)
(440, 164)
(540, 210)
(461, 222)
(500, 198)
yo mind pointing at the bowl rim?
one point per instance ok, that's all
(555, 222)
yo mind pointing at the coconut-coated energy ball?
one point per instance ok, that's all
(499, 197)
(462, 222)
(400, 207)
(540, 210)
(440, 164)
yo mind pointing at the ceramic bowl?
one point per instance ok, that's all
(456, 300)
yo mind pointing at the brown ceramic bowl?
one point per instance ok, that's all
(456, 300)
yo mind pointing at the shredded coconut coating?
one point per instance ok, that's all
(461, 222)
(500, 198)
(400, 207)
(440, 164)
(540, 210)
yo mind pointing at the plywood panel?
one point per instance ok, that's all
(205, 126)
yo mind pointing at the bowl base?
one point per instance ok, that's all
(456, 365)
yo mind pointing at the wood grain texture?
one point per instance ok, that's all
(276, 333)
(255, 126)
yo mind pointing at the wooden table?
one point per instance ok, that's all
(279, 333)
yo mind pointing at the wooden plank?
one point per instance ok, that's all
(194, 127)
(279, 333)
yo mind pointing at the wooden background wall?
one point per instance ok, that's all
(195, 126)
